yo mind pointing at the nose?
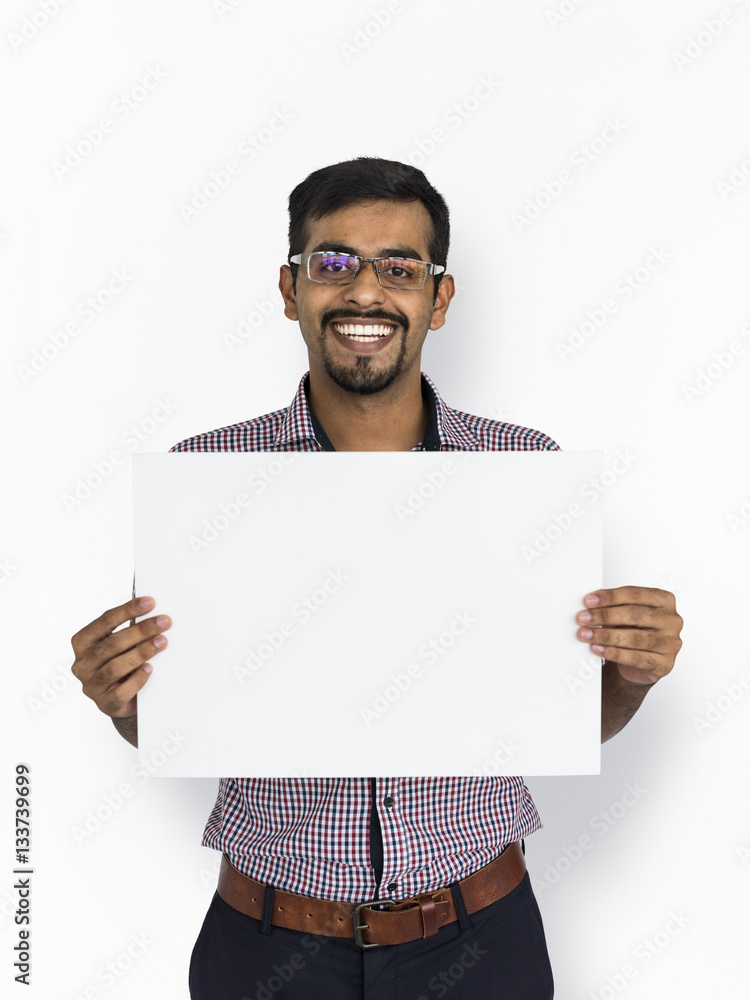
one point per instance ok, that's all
(365, 289)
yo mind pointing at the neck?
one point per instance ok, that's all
(392, 420)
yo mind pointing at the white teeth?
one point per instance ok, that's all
(360, 332)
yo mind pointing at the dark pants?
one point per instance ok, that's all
(500, 953)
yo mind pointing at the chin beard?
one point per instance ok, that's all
(363, 377)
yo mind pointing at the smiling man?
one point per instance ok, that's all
(309, 864)
(365, 321)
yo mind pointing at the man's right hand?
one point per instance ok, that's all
(113, 666)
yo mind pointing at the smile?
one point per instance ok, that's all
(365, 333)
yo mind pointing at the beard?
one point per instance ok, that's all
(366, 376)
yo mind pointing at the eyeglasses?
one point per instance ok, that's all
(328, 268)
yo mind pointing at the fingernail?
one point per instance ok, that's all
(146, 603)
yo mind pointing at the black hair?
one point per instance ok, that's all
(354, 181)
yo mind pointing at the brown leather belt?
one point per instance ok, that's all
(406, 920)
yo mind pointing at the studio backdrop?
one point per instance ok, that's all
(595, 157)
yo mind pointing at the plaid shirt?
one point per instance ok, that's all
(313, 835)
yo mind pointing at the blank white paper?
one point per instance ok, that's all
(370, 613)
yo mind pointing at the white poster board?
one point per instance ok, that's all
(350, 614)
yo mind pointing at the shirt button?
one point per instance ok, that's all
(391, 887)
(388, 802)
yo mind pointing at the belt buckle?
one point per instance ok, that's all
(359, 929)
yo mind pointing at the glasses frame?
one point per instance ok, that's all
(304, 258)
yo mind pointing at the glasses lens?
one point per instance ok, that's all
(332, 267)
(399, 272)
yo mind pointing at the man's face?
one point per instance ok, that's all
(395, 321)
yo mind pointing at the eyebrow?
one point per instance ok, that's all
(383, 252)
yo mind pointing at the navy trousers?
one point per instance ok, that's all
(499, 952)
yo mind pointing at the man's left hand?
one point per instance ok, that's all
(637, 628)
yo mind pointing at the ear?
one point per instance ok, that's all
(446, 291)
(287, 292)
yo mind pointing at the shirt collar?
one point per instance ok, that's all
(444, 432)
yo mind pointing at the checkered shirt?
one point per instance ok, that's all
(312, 835)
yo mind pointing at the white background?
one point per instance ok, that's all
(679, 842)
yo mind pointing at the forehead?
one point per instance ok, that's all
(373, 226)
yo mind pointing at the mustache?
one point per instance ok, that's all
(341, 315)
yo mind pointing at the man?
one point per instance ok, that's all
(365, 280)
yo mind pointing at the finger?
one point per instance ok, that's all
(120, 700)
(98, 683)
(638, 615)
(637, 665)
(97, 656)
(627, 638)
(109, 621)
(650, 596)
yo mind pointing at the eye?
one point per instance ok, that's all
(401, 268)
(337, 263)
